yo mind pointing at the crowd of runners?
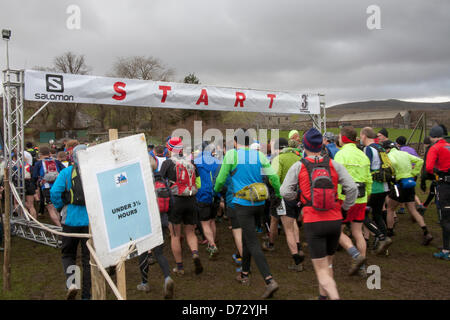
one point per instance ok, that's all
(338, 191)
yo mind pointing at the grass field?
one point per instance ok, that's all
(409, 272)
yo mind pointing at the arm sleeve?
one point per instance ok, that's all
(276, 165)
(348, 185)
(369, 154)
(57, 189)
(227, 165)
(289, 187)
(271, 173)
(418, 166)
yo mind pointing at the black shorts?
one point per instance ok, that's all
(406, 195)
(206, 211)
(292, 210)
(183, 211)
(233, 218)
(46, 197)
(322, 237)
(30, 188)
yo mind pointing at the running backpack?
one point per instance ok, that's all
(323, 191)
(50, 170)
(184, 185)
(162, 195)
(76, 194)
(386, 173)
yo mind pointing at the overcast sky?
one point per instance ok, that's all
(309, 46)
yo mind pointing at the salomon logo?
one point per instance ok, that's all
(54, 83)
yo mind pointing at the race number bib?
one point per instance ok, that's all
(281, 210)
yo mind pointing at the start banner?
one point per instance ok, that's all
(74, 88)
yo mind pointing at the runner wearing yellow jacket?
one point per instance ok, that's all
(404, 189)
(358, 166)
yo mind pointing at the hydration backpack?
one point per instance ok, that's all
(323, 191)
(76, 194)
(162, 194)
(386, 173)
(184, 185)
(50, 170)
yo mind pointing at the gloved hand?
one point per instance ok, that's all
(423, 185)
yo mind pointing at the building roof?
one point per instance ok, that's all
(378, 115)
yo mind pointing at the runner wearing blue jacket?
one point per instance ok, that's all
(206, 166)
(74, 220)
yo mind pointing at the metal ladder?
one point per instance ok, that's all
(30, 230)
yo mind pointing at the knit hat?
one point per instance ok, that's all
(436, 132)
(292, 133)
(384, 132)
(312, 140)
(175, 145)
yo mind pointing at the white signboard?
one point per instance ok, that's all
(120, 198)
(73, 88)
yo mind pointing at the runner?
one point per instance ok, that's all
(380, 188)
(157, 252)
(358, 166)
(206, 166)
(438, 163)
(426, 176)
(321, 219)
(404, 189)
(159, 157)
(382, 136)
(67, 195)
(289, 216)
(181, 176)
(62, 157)
(44, 175)
(246, 167)
(329, 144)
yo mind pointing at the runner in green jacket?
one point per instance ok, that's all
(358, 166)
(404, 190)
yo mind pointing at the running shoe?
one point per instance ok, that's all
(168, 288)
(267, 247)
(427, 239)
(197, 264)
(362, 273)
(143, 287)
(243, 280)
(271, 288)
(356, 264)
(442, 255)
(296, 267)
(401, 211)
(214, 251)
(178, 272)
(237, 260)
(383, 245)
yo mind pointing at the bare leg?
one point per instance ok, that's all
(29, 204)
(327, 285)
(391, 206)
(175, 241)
(191, 238)
(208, 232)
(273, 229)
(237, 235)
(359, 238)
(416, 215)
(288, 224)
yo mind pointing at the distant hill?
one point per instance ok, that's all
(392, 104)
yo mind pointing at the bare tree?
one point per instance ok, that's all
(143, 68)
(69, 62)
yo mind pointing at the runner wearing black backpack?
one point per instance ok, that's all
(181, 174)
(317, 178)
(44, 175)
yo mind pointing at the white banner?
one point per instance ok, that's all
(73, 88)
(120, 198)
